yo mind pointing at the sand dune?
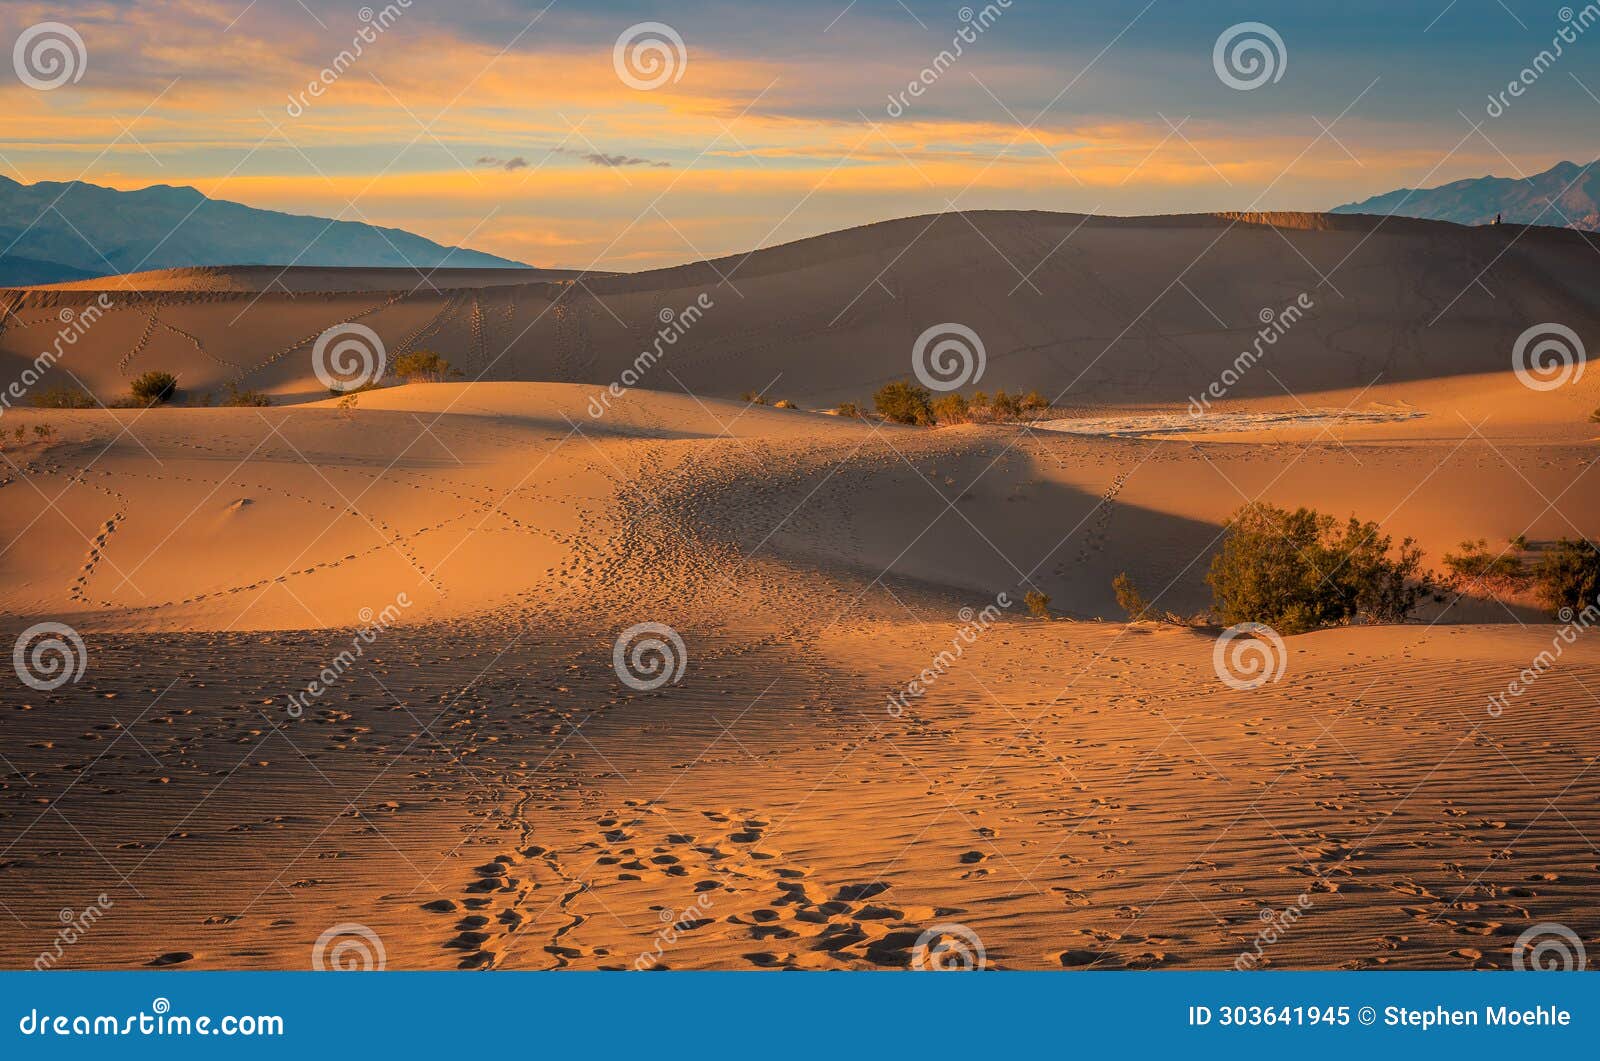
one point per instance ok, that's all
(476, 785)
(1062, 303)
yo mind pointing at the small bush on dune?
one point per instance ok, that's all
(1475, 562)
(950, 409)
(1038, 604)
(154, 388)
(423, 366)
(851, 410)
(784, 403)
(43, 432)
(903, 402)
(340, 392)
(237, 398)
(1569, 576)
(1130, 599)
(752, 398)
(64, 398)
(1301, 570)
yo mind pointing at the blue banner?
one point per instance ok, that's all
(696, 1015)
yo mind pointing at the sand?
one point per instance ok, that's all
(478, 788)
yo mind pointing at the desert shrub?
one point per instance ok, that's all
(903, 402)
(1033, 402)
(1129, 598)
(1301, 570)
(851, 410)
(63, 398)
(154, 388)
(423, 366)
(752, 398)
(340, 392)
(1038, 604)
(1476, 562)
(784, 403)
(237, 398)
(950, 409)
(1004, 406)
(1569, 575)
(43, 432)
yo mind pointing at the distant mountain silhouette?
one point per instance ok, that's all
(1565, 196)
(52, 232)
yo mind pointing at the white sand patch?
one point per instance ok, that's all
(1221, 423)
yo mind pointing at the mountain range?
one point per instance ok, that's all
(1565, 196)
(55, 232)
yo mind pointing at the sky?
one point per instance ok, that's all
(611, 135)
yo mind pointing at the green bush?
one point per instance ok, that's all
(903, 402)
(1569, 576)
(1130, 599)
(1475, 562)
(154, 388)
(64, 398)
(1299, 571)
